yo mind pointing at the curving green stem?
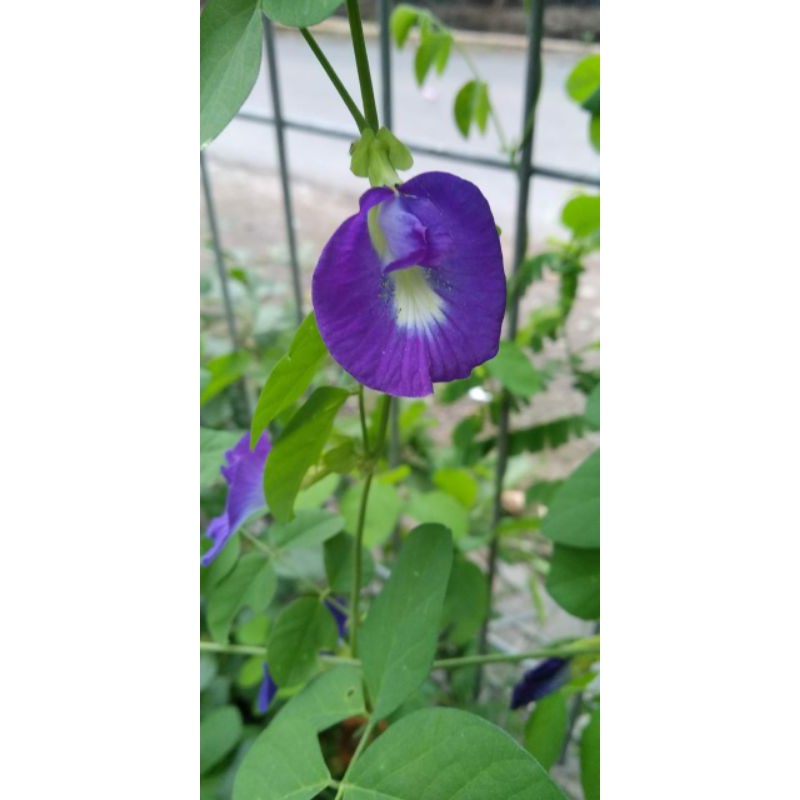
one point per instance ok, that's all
(362, 63)
(362, 743)
(587, 646)
(335, 80)
(362, 515)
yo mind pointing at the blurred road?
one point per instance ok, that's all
(424, 116)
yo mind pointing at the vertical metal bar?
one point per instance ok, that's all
(525, 170)
(242, 403)
(384, 13)
(272, 74)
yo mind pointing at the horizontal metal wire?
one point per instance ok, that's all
(467, 158)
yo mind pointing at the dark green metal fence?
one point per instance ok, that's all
(524, 167)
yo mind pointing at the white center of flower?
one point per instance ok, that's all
(417, 305)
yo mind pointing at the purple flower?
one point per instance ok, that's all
(266, 692)
(339, 615)
(244, 472)
(543, 679)
(411, 289)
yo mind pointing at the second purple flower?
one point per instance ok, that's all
(411, 290)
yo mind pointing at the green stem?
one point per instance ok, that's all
(362, 743)
(261, 652)
(355, 592)
(363, 416)
(232, 649)
(362, 515)
(501, 135)
(471, 66)
(335, 80)
(587, 646)
(362, 63)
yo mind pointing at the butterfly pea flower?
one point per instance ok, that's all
(340, 616)
(244, 472)
(266, 691)
(545, 678)
(411, 289)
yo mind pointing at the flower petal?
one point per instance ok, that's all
(266, 692)
(424, 300)
(337, 613)
(244, 472)
(543, 679)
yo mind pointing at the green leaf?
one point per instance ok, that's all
(482, 108)
(574, 581)
(394, 475)
(223, 371)
(471, 105)
(213, 445)
(592, 103)
(298, 447)
(550, 435)
(254, 631)
(383, 509)
(401, 22)
(466, 602)
(317, 493)
(592, 412)
(329, 698)
(459, 483)
(443, 48)
(250, 673)
(308, 529)
(467, 449)
(442, 508)
(531, 270)
(582, 215)
(590, 758)
(285, 762)
(443, 753)
(221, 566)
(230, 55)
(299, 13)
(546, 729)
(290, 377)
(398, 639)
(339, 563)
(514, 370)
(594, 131)
(301, 630)
(434, 48)
(251, 583)
(208, 669)
(574, 515)
(584, 79)
(220, 732)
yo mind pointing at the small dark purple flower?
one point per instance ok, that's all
(266, 692)
(244, 472)
(542, 680)
(339, 615)
(411, 289)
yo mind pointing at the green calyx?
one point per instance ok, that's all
(378, 156)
